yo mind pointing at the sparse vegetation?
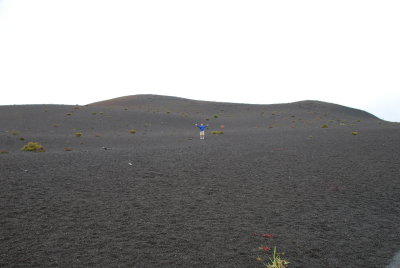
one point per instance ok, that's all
(33, 147)
(217, 132)
(56, 125)
(267, 259)
(132, 131)
(78, 134)
(15, 132)
(276, 261)
(324, 126)
(67, 149)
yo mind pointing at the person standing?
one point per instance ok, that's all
(202, 128)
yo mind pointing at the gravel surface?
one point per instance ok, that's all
(164, 198)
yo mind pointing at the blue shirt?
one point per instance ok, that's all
(202, 128)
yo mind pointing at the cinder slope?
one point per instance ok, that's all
(298, 114)
(163, 198)
(157, 103)
(108, 122)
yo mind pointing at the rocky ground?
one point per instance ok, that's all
(329, 195)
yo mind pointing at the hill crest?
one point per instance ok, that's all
(178, 104)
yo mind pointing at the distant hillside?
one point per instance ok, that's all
(160, 103)
(110, 122)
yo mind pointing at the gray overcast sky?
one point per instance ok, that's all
(82, 51)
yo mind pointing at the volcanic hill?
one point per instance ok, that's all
(128, 183)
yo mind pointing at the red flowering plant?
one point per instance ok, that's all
(264, 255)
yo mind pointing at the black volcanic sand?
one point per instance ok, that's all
(164, 198)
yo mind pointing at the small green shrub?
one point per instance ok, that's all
(215, 116)
(217, 132)
(69, 114)
(267, 259)
(354, 133)
(324, 126)
(94, 113)
(22, 139)
(132, 131)
(33, 147)
(56, 125)
(78, 134)
(276, 261)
